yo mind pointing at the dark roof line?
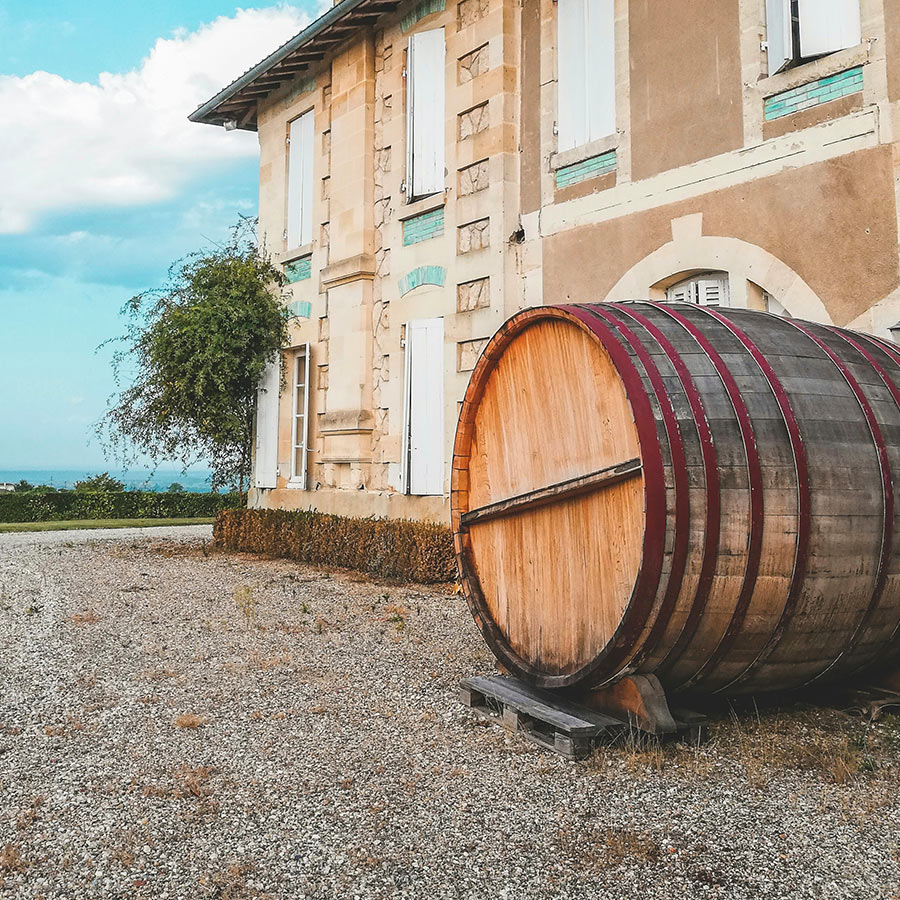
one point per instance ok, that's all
(206, 112)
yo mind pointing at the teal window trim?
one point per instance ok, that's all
(423, 227)
(300, 309)
(298, 270)
(420, 11)
(593, 167)
(436, 275)
(813, 94)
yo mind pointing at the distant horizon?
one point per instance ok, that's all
(104, 467)
(146, 478)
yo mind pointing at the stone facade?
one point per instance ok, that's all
(786, 182)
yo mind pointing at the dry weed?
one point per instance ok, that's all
(189, 720)
(86, 617)
(156, 791)
(193, 781)
(160, 674)
(622, 845)
(11, 859)
(396, 615)
(279, 660)
(820, 741)
(246, 602)
(28, 816)
(124, 856)
(230, 883)
(69, 727)
(605, 848)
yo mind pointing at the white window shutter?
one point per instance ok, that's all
(601, 55)
(407, 394)
(571, 64)
(424, 432)
(425, 113)
(708, 289)
(300, 180)
(266, 457)
(300, 418)
(828, 25)
(779, 34)
(710, 292)
(305, 435)
(586, 71)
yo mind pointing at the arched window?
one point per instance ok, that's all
(704, 289)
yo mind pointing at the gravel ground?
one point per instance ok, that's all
(92, 535)
(181, 725)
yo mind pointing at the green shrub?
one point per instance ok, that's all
(387, 548)
(103, 483)
(53, 506)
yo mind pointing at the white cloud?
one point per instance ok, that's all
(125, 140)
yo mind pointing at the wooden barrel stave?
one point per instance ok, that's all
(846, 573)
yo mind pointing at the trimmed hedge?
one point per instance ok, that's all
(387, 548)
(28, 506)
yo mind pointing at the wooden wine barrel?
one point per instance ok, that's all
(703, 494)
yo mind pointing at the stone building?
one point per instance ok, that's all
(429, 168)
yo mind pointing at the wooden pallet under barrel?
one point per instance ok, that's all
(566, 727)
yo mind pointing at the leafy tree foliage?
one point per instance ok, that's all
(24, 485)
(198, 347)
(176, 487)
(99, 484)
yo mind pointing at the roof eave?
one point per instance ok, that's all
(210, 113)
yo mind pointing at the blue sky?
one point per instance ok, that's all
(105, 185)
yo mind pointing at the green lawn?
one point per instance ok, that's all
(97, 523)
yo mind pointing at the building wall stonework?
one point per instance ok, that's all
(374, 256)
(788, 185)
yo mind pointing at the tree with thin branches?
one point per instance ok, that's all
(194, 352)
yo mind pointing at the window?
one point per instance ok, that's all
(425, 114)
(586, 72)
(423, 407)
(800, 30)
(704, 289)
(265, 461)
(300, 181)
(299, 418)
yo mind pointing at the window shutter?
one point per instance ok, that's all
(828, 25)
(300, 418)
(773, 306)
(601, 53)
(266, 459)
(424, 432)
(710, 292)
(425, 113)
(407, 396)
(572, 122)
(679, 293)
(586, 71)
(708, 289)
(779, 34)
(300, 180)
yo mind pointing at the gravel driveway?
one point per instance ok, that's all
(181, 725)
